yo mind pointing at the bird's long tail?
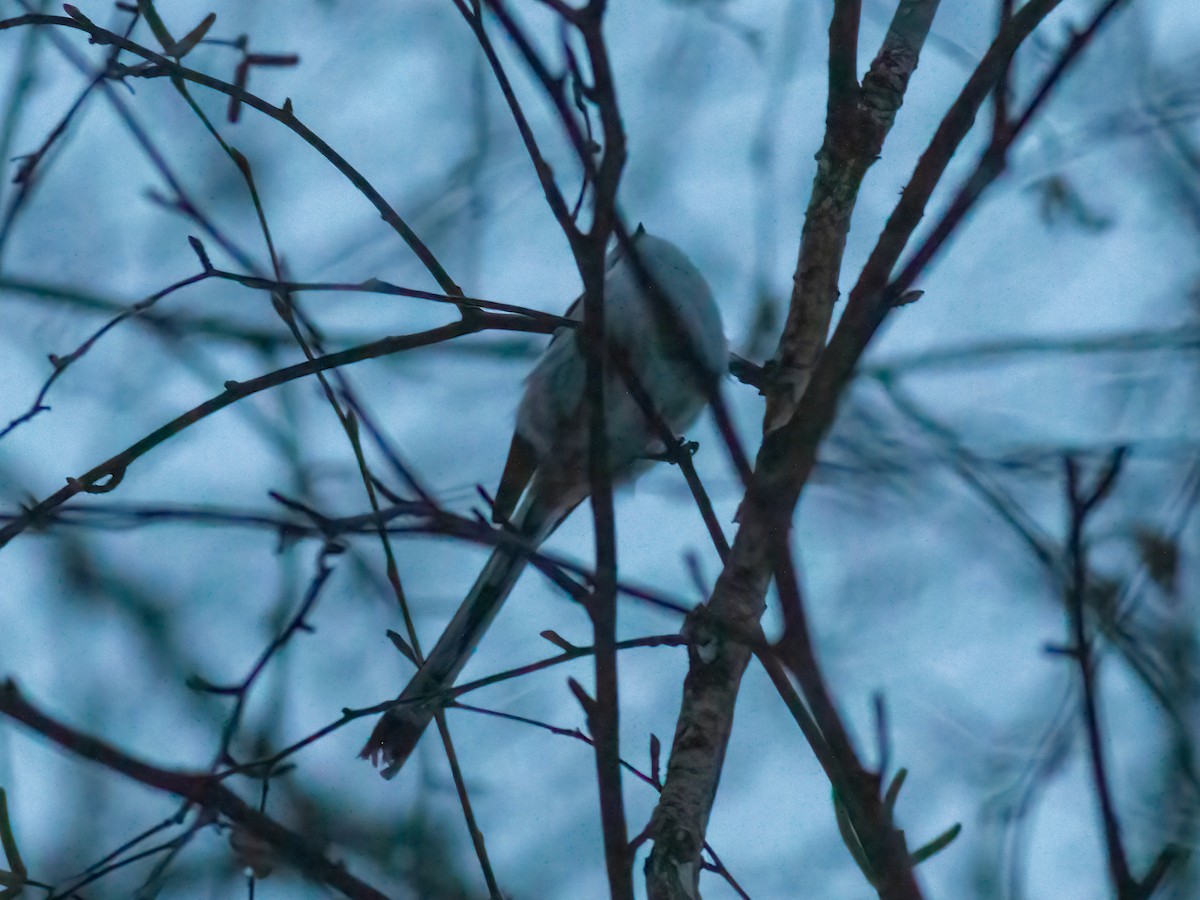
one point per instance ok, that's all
(397, 733)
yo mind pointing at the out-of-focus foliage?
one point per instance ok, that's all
(1061, 323)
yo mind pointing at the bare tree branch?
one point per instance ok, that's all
(114, 468)
(1081, 503)
(858, 120)
(201, 789)
(784, 463)
(282, 114)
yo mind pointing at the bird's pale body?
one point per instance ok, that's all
(663, 326)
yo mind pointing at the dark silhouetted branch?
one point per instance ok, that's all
(200, 789)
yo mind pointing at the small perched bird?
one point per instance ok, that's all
(661, 319)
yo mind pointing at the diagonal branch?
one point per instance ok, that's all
(282, 114)
(114, 468)
(858, 120)
(201, 789)
(788, 454)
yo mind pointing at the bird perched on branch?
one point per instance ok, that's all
(663, 333)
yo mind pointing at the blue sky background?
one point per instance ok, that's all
(917, 589)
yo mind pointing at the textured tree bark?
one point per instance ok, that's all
(804, 385)
(858, 120)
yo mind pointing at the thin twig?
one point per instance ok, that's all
(200, 789)
(1081, 504)
(283, 115)
(715, 866)
(114, 468)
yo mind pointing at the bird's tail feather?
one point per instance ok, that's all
(397, 733)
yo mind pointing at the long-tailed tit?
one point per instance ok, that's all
(659, 316)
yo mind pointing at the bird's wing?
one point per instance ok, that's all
(518, 470)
